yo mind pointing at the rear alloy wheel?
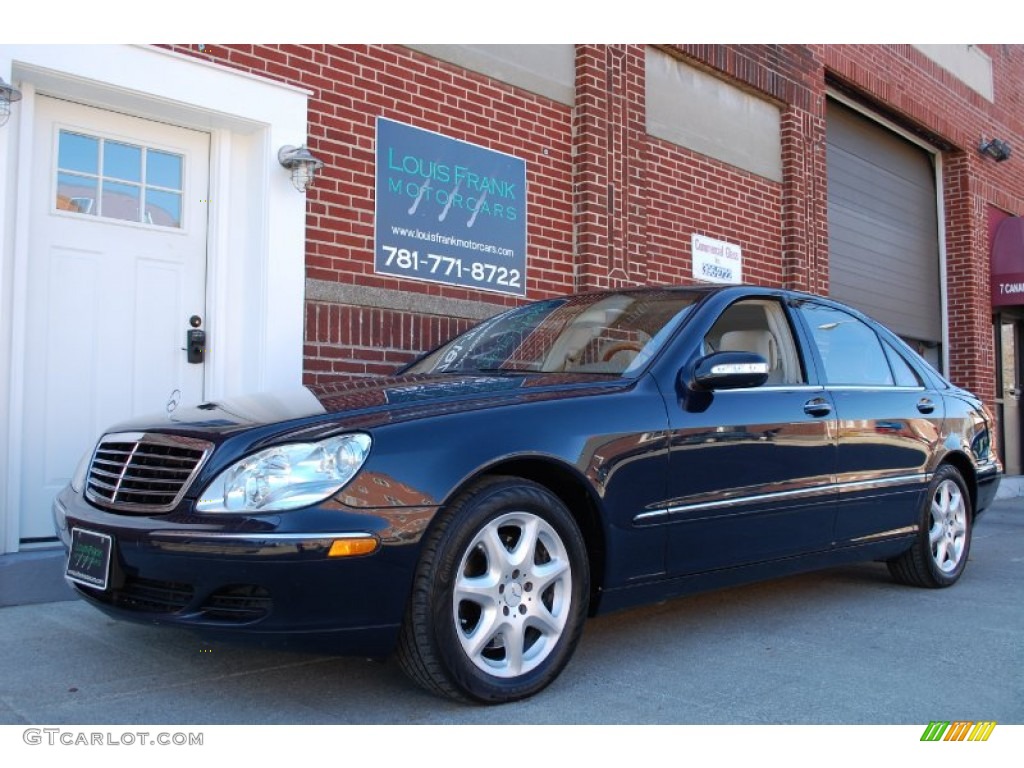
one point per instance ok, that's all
(500, 595)
(939, 554)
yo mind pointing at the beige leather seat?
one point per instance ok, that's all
(760, 342)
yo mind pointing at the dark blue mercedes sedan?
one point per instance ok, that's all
(565, 458)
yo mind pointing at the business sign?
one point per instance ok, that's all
(716, 261)
(449, 211)
(1007, 264)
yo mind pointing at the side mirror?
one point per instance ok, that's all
(725, 370)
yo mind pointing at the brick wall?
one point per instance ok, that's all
(610, 205)
(690, 193)
(352, 86)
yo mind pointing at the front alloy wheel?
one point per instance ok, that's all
(500, 595)
(513, 594)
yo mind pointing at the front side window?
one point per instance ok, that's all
(117, 180)
(759, 326)
(849, 348)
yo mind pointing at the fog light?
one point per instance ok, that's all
(352, 547)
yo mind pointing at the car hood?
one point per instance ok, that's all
(365, 403)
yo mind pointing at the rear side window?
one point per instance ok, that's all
(904, 374)
(849, 348)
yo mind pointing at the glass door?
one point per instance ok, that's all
(1008, 392)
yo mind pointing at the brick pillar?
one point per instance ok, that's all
(609, 147)
(804, 198)
(971, 346)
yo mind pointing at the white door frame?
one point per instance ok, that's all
(256, 240)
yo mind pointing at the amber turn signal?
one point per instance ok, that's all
(351, 547)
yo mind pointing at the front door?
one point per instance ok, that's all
(751, 470)
(116, 277)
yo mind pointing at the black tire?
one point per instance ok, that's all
(500, 595)
(939, 554)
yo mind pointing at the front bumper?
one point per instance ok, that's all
(266, 574)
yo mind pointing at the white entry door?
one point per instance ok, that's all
(116, 276)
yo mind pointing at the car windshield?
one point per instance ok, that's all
(609, 333)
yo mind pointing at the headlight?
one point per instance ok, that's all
(286, 476)
(78, 479)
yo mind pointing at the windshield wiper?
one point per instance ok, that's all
(500, 370)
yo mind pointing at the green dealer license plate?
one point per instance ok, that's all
(89, 558)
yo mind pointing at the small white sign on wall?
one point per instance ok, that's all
(716, 261)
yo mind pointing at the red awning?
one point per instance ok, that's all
(1008, 263)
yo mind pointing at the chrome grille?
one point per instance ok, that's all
(136, 472)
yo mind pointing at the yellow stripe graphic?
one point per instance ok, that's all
(982, 731)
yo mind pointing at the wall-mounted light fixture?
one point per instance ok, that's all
(8, 95)
(997, 149)
(302, 164)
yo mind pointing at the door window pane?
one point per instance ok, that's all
(77, 193)
(76, 152)
(759, 326)
(110, 179)
(1008, 357)
(163, 169)
(122, 161)
(163, 208)
(850, 350)
(121, 201)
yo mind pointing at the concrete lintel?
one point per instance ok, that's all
(385, 298)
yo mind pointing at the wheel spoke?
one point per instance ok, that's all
(549, 573)
(523, 552)
(544, 622)
(489, 627)
(939, 553)
(956, 551)
(482, 590)
(514, 637)
(494, 548)
(952, 502)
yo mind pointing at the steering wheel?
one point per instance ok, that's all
(620, 346)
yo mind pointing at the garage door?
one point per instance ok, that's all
(883, 225)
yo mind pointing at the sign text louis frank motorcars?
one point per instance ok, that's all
(449, 211)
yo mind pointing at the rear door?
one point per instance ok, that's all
(888, 421)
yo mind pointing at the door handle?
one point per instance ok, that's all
(195, 346)
(819, 406)
(925, 405)
(195, 341)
